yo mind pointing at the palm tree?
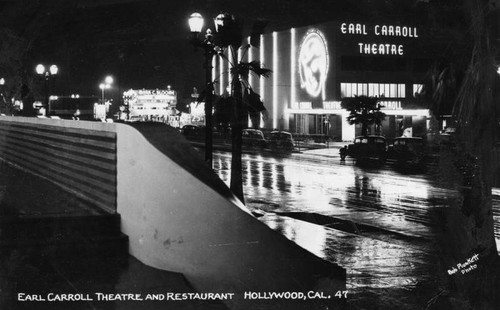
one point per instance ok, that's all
(363, 110)
(464, 86)
(242, 100)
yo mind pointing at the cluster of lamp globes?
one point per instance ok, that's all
(107, 83)
(41, 70)
(227, 28)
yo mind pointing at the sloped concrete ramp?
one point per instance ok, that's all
(179, 216)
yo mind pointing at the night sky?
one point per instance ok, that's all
(145, 44)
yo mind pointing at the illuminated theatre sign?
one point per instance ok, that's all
(313, 63)
(383, 31)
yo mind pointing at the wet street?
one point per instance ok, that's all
(375, 222)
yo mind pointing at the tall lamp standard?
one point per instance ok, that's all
(2, 85)
(49, 74)
(210, 49)
(105, 85)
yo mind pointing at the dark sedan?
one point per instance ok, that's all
(193, 131)
(253, 138)
(407, 150)
(368, 148)
(281, 141)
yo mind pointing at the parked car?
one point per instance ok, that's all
(407, 150)
(135, 118)
(253, 138)
(281, 141)
(448, 136)
(193, 131)
(368, 148)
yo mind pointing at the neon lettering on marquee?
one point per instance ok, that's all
(395, 31)
(313, 63)
(353, 29)
(390, 105)
(305, 105)
(332, 105)
(381, 31)
(381, 49)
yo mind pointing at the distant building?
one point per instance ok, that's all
(73, 106)
(150, 104)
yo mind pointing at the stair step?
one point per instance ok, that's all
(98, 247)
(86, 236)
(59, 228)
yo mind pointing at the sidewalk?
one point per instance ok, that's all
(330, 149)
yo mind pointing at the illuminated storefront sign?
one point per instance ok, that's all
(313, 63)
(150, 102)
(302, 105)
(390, 105)
(379, 31)
(332, 105)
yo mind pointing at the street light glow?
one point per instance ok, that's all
(40, 69)
(2, 81)
(53, 69)
(104, 86)
(195, 22)
(47, 74)
(108, 80)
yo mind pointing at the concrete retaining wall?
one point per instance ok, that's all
(178, 214)
(80, 157)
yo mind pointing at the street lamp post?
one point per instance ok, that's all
(4, 102)
(49, 74)
(210, 49)
(105, 85)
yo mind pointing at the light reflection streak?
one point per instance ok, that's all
(390, 263)
(378, 198)
(260, 171)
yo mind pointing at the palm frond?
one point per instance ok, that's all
(257, 68)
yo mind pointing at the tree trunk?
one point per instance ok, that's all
(236, 184)
(466, 229)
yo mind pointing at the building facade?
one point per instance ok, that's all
(150, 104)
(314, 67)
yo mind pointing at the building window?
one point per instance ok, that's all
(372, 89)
(386, 91)
(402, 90)
(392, 90)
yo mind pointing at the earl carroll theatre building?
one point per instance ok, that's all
(315, 66)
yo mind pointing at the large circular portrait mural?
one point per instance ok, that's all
(313, 63)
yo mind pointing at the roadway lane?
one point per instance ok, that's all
(380, 198)
(376, 222)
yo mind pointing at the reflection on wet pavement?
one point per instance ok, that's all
(369, 262)
(380, 198)
(401, 258)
